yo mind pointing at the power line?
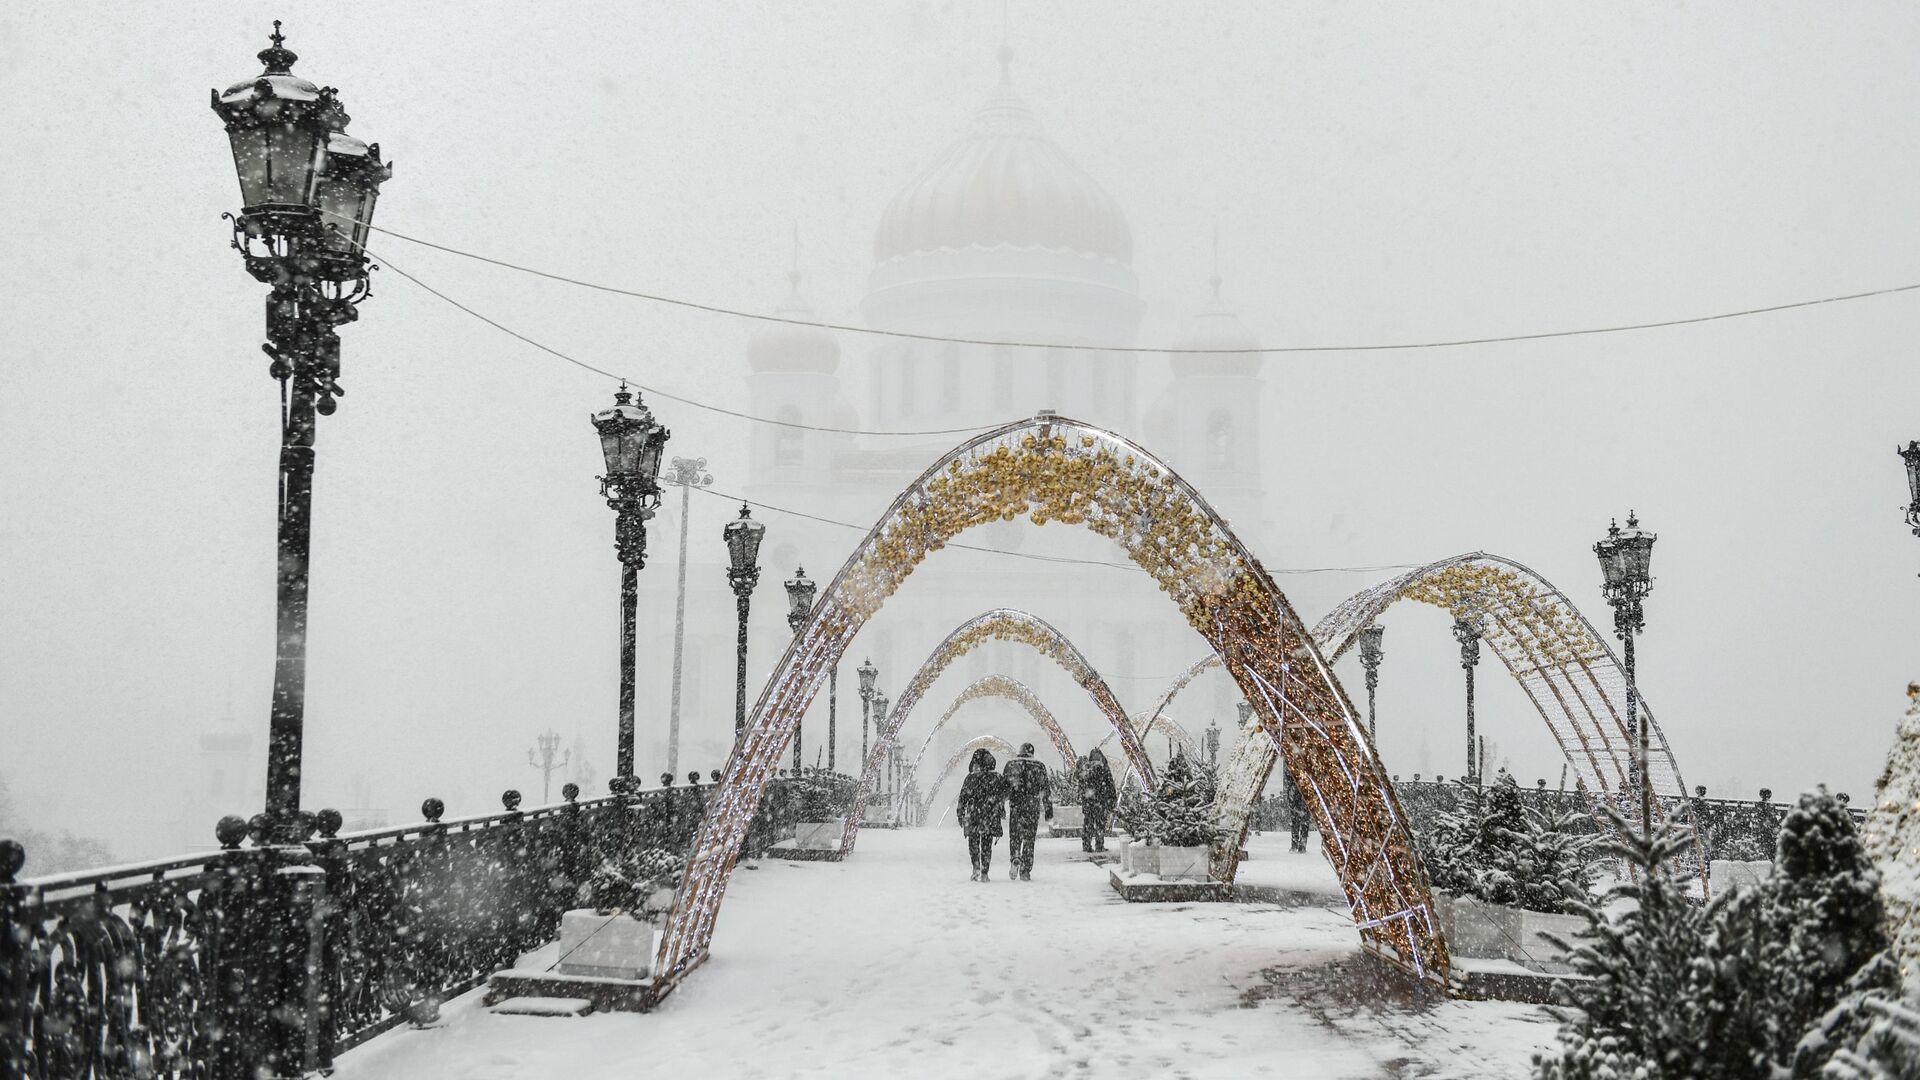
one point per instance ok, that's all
(849, 328)
(654, 390)
(1032, 555)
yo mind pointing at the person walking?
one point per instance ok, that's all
(1028, 794)
(983, 798)
(1097, 800)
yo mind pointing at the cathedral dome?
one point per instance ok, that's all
(1004, 184)
(786, 347)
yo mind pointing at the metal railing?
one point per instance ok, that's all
(259, 960)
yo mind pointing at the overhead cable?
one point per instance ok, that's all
(1444, 343)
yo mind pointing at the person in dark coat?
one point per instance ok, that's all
(1097, 800)
(983, 799)
(1029, 791)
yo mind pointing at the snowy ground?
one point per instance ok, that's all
(893, 964)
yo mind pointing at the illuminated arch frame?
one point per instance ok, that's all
(999, 686)
(978, 742)
(997, 624)
(1007, 689)
(1563, 664)
(1051, 468)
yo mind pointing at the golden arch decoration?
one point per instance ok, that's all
(1565, 667)
(1050, 469)
(959, 758)
(997, 624)
(1008, 689)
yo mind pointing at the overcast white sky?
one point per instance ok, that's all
(1378, 173)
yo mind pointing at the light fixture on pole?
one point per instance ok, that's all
(685, 474)
(1625, 559)
(1466, 630)
(1911, 455)
(631, 442)
(743, 536)
(868, 673)
(1370, 655)
(307, 194)
(800, 592)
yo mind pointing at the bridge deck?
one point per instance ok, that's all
(894, 964)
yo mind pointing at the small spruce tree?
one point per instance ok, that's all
(1181, 807)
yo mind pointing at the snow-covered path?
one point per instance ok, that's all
(893, 964)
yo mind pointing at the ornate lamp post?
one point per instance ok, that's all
(1213, 743)
(880, 705)
(799, 603)
(1467, 633)
(1911, 455)
(686, 474)
(743, 573)
(631, 440)
(1370, 655)
(868, 673)
(1625, 580)
(307, 193)
(549, 745)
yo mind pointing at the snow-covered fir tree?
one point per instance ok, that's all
(1180, 810)
(1493, 847)
(1634, 1017)
(1891, 837)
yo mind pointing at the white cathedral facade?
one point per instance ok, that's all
(1002, 238)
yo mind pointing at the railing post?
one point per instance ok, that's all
(330, 854)
(518, 911)
(16, 942)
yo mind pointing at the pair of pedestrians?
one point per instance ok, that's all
(1022, 794)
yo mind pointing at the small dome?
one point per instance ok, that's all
(790, 348)
(1004, 184)
(1216, 327)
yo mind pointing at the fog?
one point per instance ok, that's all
(1375, 174)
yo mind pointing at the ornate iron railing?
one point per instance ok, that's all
(257, 961)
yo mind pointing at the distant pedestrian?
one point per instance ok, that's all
(1028, 794)
(1097, 800)
(983, 800)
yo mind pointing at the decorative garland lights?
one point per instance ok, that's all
(1006, 689)
(998, 624)
(993, 743)
(1564, 665)
(1049, 469)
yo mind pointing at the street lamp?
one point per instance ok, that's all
(1466, 631)
(686, 474)
(1624, 561)
(880, 704)
(307, 194)
(1911, 454)
(799, 603)
(743, 573)
(1370, 655)
(631, 440)
(868, 673)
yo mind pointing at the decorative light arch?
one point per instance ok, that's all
(1047, 469)
(1566, 668)
(959, 758)
(998, 624)
(1008, 689)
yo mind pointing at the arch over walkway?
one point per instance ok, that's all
(959, 758)
(1048, 469)
(1566, 668)
(1008, 689)
(997, 624)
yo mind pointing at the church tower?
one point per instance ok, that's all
(1209, 425)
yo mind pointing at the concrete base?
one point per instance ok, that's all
(605, 995)
(543, 1006)
(1140, 889)
(786, 849)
